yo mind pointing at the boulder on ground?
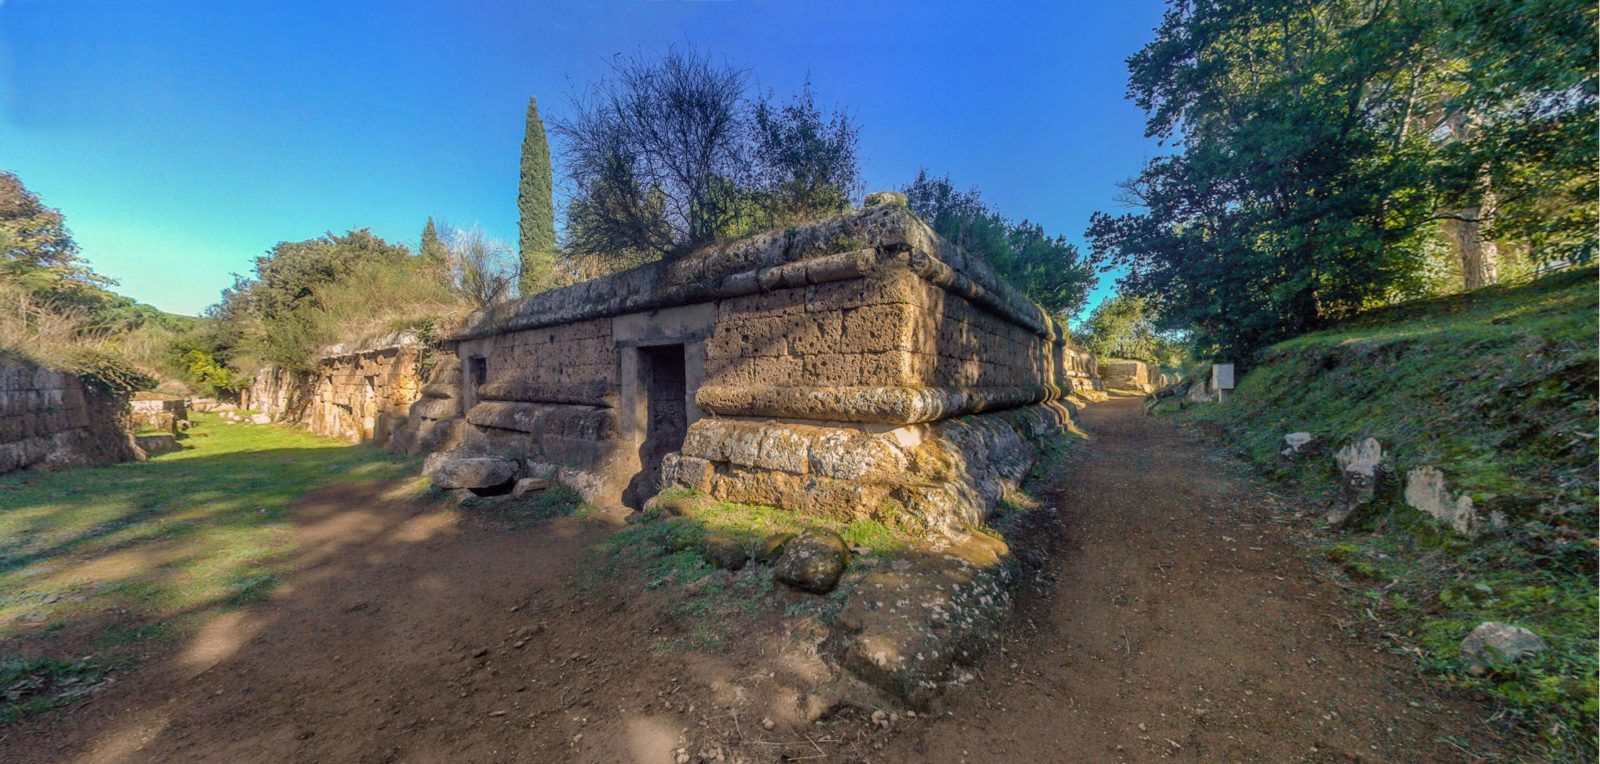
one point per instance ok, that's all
(1360, 471)
(476, 474)
(260, 419)
(1495, 642)
(526, 486)
(812, 561)
(723, 551)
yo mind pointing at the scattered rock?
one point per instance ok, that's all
(812, 561)
(1298, 446)
(262, 418)
(723, 551)
(526, 486)
(772, 548)
(1360, 471)
(479, 475)
(1495, 642)
(767, 723)
(1426, 492)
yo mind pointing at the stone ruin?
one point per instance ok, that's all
(360, 391)
(51, 419)
(858, 366)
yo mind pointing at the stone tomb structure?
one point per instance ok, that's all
(854, 366)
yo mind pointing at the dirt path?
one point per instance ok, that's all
(1186, 625)
(408, 631)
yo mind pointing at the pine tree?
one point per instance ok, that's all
(536, 206)
(432, 248)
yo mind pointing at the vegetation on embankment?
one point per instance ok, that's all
(1497, 389)
(99, 565)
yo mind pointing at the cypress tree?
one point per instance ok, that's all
(536, 206)
(432, 248)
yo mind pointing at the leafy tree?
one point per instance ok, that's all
(647, 150)
(275, 310)
(1048, 269)
(1314, 169)
(805, 161)
(536, 242)
(667, 155)
(36, 249)
(1123, 327)
(432, 249)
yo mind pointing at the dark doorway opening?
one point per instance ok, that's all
(664, 388)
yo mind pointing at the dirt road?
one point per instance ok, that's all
(1185, 625)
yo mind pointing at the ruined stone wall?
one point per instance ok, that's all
(50, 419)
(360, 392)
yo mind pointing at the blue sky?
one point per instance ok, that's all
(181, 141)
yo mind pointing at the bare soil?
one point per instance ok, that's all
(1185, 623)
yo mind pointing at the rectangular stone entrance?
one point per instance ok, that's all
(663, 384)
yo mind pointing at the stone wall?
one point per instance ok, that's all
(50, 419)
(360, 392)
(1120, 374)
(857, 366)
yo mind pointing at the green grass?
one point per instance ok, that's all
(1497, 389)
(115, 557)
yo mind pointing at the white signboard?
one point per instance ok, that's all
(1222, 376)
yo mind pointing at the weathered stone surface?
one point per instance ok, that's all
(261, 418)
(359, 391)
(772, 547)
(1426, 492)
(725, 552)
(526, 486)
(474, 472)
(812, 561)
(1122, 374)
(1493, 642)
(1361, 469)
(153, 445)
(913, 623)
(49, 419)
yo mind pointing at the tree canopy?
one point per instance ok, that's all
(1048, 269)
(536, 220)
(672, 153)
(1317, 155)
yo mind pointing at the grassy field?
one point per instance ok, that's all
(1497, 389)
(100, 566)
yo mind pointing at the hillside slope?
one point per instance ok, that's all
(1495, 388)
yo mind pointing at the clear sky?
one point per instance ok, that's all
(181, 140)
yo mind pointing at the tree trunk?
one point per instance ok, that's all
(1463, 227)
(1480, 258)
